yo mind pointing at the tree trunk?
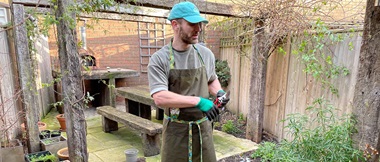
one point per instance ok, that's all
(259, 61)
(71, 81)
(366, 104)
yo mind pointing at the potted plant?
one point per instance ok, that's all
(55, 133)
(44, 134)
(62, 121)
(42, 156)
(53, 144)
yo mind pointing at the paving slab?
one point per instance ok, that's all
(105, 147)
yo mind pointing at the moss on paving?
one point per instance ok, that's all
(104, 147)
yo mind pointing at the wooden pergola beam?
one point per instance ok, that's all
(203, 6)
(163, 5)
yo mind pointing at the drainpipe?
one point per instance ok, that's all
(83, 34)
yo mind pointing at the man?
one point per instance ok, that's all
(181, 77)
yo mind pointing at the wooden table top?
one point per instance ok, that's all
(109, 73)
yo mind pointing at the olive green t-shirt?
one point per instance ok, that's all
(159, 65)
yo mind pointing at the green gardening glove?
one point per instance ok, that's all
(208, 108)
(204, 104)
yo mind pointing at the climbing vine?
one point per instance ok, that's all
(316, 57)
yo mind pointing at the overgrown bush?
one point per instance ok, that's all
(330, 140)
(230, 127)
(223, 72)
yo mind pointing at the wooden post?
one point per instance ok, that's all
(26, 73)
(259, 60)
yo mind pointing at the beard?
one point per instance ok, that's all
(187, 38)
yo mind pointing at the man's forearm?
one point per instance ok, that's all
(214, 87)
(170, 99)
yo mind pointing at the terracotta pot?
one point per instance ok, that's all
(63, 153)
(62, 121)
(41, 126)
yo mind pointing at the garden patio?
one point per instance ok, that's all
(104, 147)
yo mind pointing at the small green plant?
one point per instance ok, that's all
(329, 140)
(43, 158)
(230, 127)
(241, 118)
(223, 72)
(50, 140)
(265, 151)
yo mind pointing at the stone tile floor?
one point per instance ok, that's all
(110, 147)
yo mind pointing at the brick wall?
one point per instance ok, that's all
(115, 44)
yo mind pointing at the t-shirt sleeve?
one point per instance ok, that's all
(157, 74)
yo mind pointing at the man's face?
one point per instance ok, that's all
(189, 32)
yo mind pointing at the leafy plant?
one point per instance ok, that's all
(42, 157)
(44, 134)
(230, 127)
(265, 151)
(329, 140)
(223, 72)
(50, 140)
(241, 118)
(317, 60)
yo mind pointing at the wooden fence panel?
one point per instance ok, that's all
(275, 95)
(245, 81)
(288, 89)
(44, 75)
(304, 89)
(350, 59)
(233, 59)
(8, 106)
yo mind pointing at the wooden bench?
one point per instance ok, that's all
(150, 131)
(138, 101)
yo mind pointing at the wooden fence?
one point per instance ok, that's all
(8, 76)
(288, 89)
(8, 104)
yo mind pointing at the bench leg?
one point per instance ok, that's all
(132, 107)
(151, 144)
(109, 125)
(145, 111)
(159, 114)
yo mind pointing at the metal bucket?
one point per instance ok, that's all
(131, 154)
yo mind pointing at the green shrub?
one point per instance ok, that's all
(230, 127)
(223, 72)
(329, 141)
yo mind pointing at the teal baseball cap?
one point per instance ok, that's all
(187, 11)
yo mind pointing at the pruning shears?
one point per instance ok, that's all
(219, 100)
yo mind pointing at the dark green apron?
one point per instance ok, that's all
(176, 132)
